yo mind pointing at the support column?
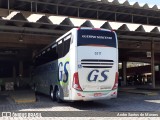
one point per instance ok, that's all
(31, 6)
(124, 68)
(132, 19)
(115, 16)
(78, 13)
(97, 14)
(152, 64)
(8, 5)
(36, 7)
(57, 9)
(147, 20)
(20, 74)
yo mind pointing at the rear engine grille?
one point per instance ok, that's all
(97, 63)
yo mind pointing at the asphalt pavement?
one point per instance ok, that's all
(126, 102)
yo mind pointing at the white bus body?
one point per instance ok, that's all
(81, 65)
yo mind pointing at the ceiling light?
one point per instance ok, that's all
(20, 40)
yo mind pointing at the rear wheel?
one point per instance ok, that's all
(35, 88)
(58, 99)
(52, 94)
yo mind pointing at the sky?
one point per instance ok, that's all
(151, 2)
(142, 2)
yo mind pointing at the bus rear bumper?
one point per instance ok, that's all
(92, 96)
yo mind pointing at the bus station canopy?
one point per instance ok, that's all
(36, 23)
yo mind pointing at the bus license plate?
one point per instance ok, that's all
(97, 94)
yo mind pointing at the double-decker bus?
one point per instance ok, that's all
(80, 65)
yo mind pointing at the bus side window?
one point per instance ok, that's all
(71, 39)
(60, 49)
(53, 53)
(42, 59)
(39, 60)
(66, 46)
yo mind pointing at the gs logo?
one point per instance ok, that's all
(94, 75)
(63, 72)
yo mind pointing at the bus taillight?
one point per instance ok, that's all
(76, 84)
(116, 82)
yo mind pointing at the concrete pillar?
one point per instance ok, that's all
(31, 6)
(124, 68)
(152, 64)
(132, 19)
(20, 82)
(8, 5)
(78, 13)
(57, 7)
(115, 16)
(97, 14)
(36, 7)
(147, 20)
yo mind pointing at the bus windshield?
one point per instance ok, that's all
(98, 37)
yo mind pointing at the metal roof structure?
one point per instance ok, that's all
(95, 9)
(52, 22)
(39, 22)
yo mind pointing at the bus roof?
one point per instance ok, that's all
(57, 40)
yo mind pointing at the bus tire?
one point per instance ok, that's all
(52, 94)
(35, 88)
(58, 99)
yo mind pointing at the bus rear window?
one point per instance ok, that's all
(96, 37)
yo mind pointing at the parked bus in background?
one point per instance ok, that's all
(80, 65)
